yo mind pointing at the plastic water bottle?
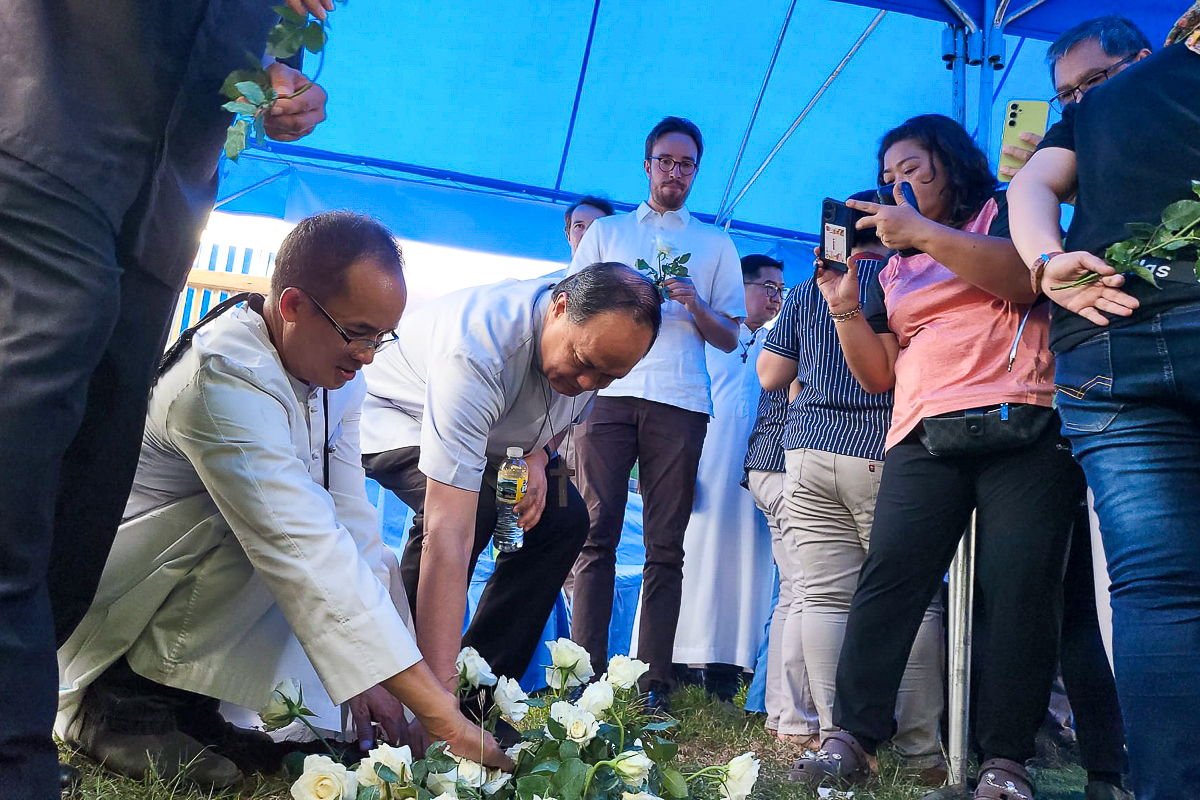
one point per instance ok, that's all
(511, 479)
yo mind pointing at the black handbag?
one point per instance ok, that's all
(985, 430)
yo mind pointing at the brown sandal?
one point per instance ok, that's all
(1003, 779)
(841, 760)
(805, 741)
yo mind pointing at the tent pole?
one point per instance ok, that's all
(959, 624)
(1021, 12)
(992, 51)
(242, 192)
(804, 113)
(587, 54)
(757, 104)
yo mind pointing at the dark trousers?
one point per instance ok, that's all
(1025, 500)
(666, 442)
(521, 593)
(1087, 677)
(81, 328)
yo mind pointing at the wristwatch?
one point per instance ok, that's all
(1038, 268)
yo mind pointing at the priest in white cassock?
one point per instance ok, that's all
(727, 576)
(248, 527)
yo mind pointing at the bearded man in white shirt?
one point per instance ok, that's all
(474, 373)
(658, 414)
(249, 524)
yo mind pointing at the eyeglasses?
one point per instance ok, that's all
(668, 164)
(1073, 95)
(773, 290)
(357, 345)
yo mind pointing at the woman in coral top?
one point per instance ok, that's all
(951, 327)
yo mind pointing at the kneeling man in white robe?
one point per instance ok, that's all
(249, 524)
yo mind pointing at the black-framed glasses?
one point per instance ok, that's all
(668, 164)
(773, 290)
(1073, 95)
(358, 345)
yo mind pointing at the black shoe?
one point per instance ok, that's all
(68, 781)
(250, 750)
(109, 734)
(656, 701)
(722, 681)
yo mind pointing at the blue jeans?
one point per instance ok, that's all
(1130, 404)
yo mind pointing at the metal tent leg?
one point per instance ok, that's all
(959, 623)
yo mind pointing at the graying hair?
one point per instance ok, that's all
(1116, 35)
(611, 286)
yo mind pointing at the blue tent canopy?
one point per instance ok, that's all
(472, 123)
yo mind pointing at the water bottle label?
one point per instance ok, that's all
(511, 491)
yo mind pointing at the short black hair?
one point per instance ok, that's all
(598, 203)
(320, 249)
(751, 264)
(675, 125)
(969, 179)
(1116, 35)
(611, 286)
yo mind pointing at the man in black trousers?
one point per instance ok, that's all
(110, 132)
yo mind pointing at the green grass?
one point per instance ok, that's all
(708, 733)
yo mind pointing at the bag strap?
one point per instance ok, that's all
(176, 350)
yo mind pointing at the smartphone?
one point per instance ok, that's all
(887, 197)
(837, 233)
(1021, 116)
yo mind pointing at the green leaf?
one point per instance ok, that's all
(314, 37)
(1119, 255)
(660, 750)
(1178, 244)
(239, 108)
(532, 786)
(568, 781)
(283, 41)
(1196, 187)
(419, 772)
(544, 768)
(642, 265)
(287, 15)
(293, 764)
(664, 725)
(683, 259)
(256, 75)
(252, 92)
(1180, 214)
(1145, 274)
(556, 729)
(386, 774)
(235, 139)
(1141, 230)
(536, 702)
(567, 750)
(260, 133)
(674, 784)
(369, 793)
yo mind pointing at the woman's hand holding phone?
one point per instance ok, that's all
(840, 289)
(899, 227)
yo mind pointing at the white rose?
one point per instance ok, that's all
(466, 773)
(639, 796)
(663, 247)
(571, 659)
(597, 697)
(633, 766)
(740, 778)
(325, 779)
(280, 710)
(494, 780)
(474, 669)
(623, 671)
(515, 751)
(511, 700)
(398, 759)
(581, 725)
(446, 796)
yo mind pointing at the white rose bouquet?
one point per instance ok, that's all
(668, 265)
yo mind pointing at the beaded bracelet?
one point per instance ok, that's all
(845, 315)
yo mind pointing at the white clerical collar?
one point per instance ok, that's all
(674, 219)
